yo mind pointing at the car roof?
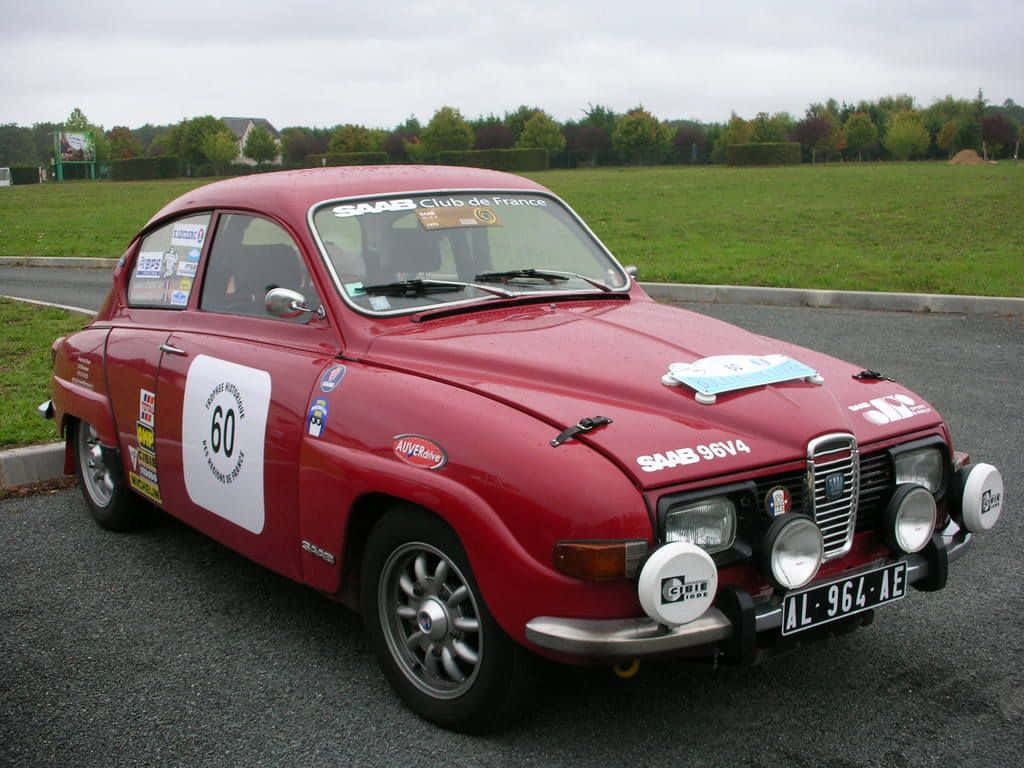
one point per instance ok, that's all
(291, 193)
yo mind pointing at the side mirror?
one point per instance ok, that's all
(631, 271)
(286, 303)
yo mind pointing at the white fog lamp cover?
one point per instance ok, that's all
(982, 500)
(678, 583)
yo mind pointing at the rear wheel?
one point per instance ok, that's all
(431, 631)
(112, 504)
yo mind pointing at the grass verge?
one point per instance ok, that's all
(919, 227)
(25, 368)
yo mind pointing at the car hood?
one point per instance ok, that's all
(564, 361)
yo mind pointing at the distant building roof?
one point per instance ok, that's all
(239, 124)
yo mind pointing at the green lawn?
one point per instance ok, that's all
(25, 368)
(925, 227)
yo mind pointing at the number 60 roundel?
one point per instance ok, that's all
(223, 425)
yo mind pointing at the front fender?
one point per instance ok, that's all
(505, 491)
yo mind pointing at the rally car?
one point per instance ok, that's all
(433, 394)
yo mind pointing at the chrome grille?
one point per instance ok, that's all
(876, 485)
(835, 455)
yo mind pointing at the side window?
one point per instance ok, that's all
(166, 265)
(250, 256)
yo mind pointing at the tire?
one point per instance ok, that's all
(112, 505)
(427, 623)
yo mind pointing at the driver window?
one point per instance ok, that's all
(249, 257)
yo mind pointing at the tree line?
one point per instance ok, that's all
(891, 127)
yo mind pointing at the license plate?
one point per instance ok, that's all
(844, 597)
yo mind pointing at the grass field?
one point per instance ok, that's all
(923, 227)
(25, 368)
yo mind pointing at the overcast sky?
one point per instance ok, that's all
(303, 62)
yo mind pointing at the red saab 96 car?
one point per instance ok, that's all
(433, 394)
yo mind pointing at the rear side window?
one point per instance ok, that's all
(250, 256)
(166, 265)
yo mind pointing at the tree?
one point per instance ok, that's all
(350, 138)
(187, 137)
(944, 138)
(260, 145)
(76, 121)
(516, 121)
(736, 131)
(492, 133)
(447, 130)
(861, 133)
(770, 129)
(906, 136)
(297, 142)
(16, 147)
(636, 136)
(542, 132)
(813, 133)
(997, 133)
(691, 143)
(219, 148)
(123, 143)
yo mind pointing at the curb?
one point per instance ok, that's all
(879, 301)
(802, 297)
(31, 464)
(77, 262)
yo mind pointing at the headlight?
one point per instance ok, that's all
(910, 518)
(921, 467)
(792, 551)
(709, 523)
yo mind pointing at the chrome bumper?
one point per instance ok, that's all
(643, 636)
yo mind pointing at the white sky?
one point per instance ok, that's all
(306, 62)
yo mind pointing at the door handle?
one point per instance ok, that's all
(172, 350)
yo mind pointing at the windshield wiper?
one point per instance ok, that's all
(550, 275)
(423, 287)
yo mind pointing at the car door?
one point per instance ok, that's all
(158, 292)
(234, 394)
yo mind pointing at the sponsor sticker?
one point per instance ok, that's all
(170, 261)
(223, 432)
(147, 407)
(450, 218)
(722, 449)
(148, 489)
(677, 589)
(188, 235)
(193, 255)
(778, 501)
(133, 454)
(380, 303)
(332, 378)
(316, 422)
(150, 265)
(146, 465)
(179, 298)
(144, 436)
(889, 408)
(419, 451)
(186, 269)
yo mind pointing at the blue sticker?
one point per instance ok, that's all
(332, 378)
(317, 421)
(179, 298)
(193, 255)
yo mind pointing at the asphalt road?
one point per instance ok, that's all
(85, 288)
(163, 648)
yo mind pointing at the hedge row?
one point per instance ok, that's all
(347, 158)
(498, 159)
(774, 153)
(135, 168)
(24, 174)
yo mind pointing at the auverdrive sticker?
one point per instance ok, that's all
(223, 428)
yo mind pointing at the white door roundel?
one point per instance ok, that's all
(223, 427)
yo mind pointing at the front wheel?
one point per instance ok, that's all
(112, 504)
(428, 625)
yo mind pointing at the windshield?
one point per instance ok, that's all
(394, 254)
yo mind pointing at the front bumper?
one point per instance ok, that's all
(642, 636)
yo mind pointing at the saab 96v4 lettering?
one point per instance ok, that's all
(434, 395)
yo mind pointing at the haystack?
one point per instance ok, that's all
(966, 157)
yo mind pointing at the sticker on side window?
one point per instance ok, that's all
(223, 429)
